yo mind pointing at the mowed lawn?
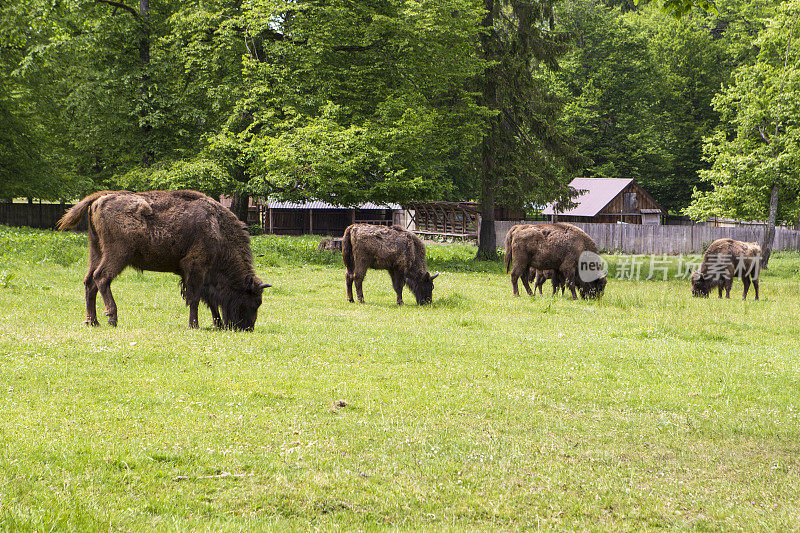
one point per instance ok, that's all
(649, 409)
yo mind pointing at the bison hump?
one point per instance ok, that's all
(140, 206)
(123, 204)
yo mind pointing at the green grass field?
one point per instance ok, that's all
(648, 409)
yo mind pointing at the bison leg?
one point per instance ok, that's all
(103, 277)
(193, 297)
(514, 286)
(520, 271)
(194, 283)
(216, 319)
(88, 282)
(755, 286)
(359, 289)
(91, 298)
(349, 279)
(728, 285)
(194, 323)
(568, 277)
(746, 282)
(357, 276)
(539, 282)
(527, 285)
(398, 280)
(558, 282)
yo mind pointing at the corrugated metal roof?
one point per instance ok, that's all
(317, 204)
(597, 193)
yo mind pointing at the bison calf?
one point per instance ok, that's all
(538, 278)
(184, 232)
(395, 249)
(724, 260)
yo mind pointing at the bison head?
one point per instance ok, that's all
(422, 287)
(593, 289)
(701, 284)
(240, 309)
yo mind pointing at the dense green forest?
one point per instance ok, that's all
(500, 101)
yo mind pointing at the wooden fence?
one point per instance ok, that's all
(649, 239)
(35, 215)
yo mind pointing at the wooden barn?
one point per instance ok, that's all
(322, 218)
(608, 200)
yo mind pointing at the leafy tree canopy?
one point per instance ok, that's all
(757, 145)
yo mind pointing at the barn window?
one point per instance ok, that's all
(629, 204)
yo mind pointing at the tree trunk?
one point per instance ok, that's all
(240, 205)
(487, 242)
(769, 231)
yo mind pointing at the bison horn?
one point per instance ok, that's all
(434, 276)
(264, 286)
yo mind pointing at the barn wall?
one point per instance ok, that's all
(610, 213)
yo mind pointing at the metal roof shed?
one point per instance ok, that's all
(323, 218)
(608, 200)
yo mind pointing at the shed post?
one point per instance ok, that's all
(310, 221)
(271, 221)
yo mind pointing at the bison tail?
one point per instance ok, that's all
(74, 215)
(347, 251)
(507, 254)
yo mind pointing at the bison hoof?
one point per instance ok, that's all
(91, 322)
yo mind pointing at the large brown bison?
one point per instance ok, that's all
(392, 248)
(184, 232)
(563, 248)
(724, 260)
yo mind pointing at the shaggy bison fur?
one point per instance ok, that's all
(724, 260)
(184, 232)
(556, 247)
(391, 248)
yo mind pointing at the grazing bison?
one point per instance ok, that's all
(392, 248)
(559, 247)
(184, 232)
(330, 245)
(538, 277)
(724, 260)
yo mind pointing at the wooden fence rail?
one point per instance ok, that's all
(648, 239)
(625, 238)
(36, 215)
